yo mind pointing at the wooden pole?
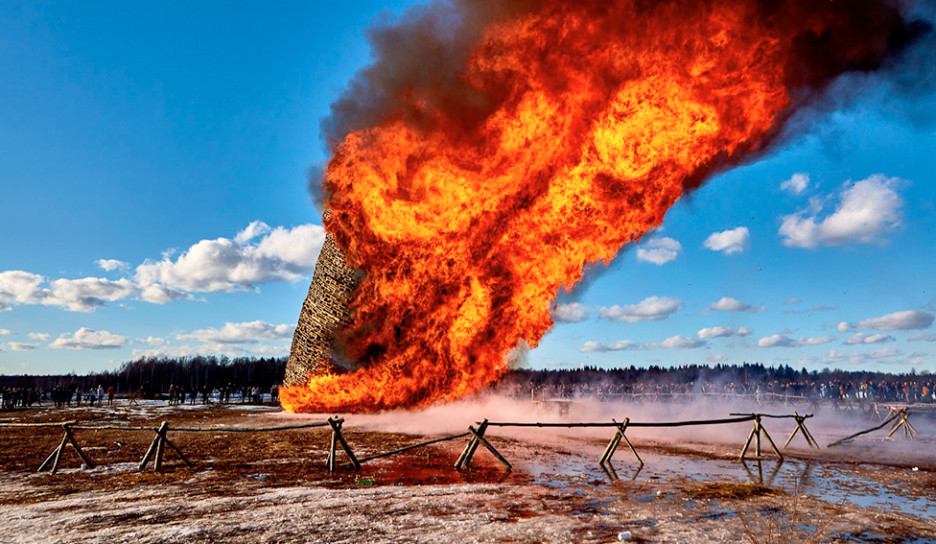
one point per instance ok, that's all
(771, 442)
(465, 458)
(56, 456)
(809, 436)
(150, 451)
(904, 422)
(330, 462)
(490, 448)
(755, 434)
(612, 446)
(866, 431)
(335, 423)
(413, 446)
(177, 450)
(747, 443)
(48, 459)
(160, 445)
(71, 438)
(633, 450)
(616, 440)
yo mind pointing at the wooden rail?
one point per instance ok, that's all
(754, 436)
(156, 451)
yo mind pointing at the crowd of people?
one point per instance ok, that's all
(12, 398)
(248, 394)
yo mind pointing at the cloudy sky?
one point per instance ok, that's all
(153, 166)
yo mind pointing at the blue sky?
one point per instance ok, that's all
(153, 165)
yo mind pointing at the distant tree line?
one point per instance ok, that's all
(154, 375)
(744, 374)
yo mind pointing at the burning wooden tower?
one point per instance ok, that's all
(326, 309)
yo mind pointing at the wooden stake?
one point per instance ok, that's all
(465, 458)
(904, 422)
(756, 435)
(490, 448)
(801, 426)
(616, 440)
(335, 423)
(56, 456)
(150, 451)
(74, 443)
(330, 462)
(160, 446)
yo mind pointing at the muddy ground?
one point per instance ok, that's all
(274, 487)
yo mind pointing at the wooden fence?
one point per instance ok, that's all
(475, 434)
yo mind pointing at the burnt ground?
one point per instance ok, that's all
(274, 487)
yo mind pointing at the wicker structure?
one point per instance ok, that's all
(324, 311)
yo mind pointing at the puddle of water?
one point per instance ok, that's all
(834, 482)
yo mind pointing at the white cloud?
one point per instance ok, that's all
(864, 338)
(678, 342)
(254, 229)
(160, 294)
(674, 342)
(868, 210)
(649, 309)
(228, 265)
(85, 338)
(716, 359)
(112, 264)
(151, 341)
(863, 357)
(87, 294)
(4, 332)
(20, 346)
(796, 184)
(190, 351)
(777, 340)
(816, 340)
(922, 337)
(843, 327)
(793, 300)
(18, 287)
(574, 312)
(722, 332)
(229, 350)
(241, 333)
(620, 345)
(80, 295)
(728, 304)
(256, 255)
(783, 341)
(729, 241)
(41, 336)
(897, 321)
(659, 251)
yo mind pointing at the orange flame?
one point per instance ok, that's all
(594, 118)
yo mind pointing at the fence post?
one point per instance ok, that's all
(56, 456)
(335, 423)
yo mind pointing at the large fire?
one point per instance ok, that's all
(569, 129)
